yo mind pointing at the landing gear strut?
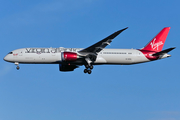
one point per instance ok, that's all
(17, 64)
(89, 64)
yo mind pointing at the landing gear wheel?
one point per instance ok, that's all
(17, 67)
(87, 66)
(85, 70)
(91, 67)
(89, 71)
(17, 64)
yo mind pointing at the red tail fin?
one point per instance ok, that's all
(157, 43)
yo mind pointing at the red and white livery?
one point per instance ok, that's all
(71, 58)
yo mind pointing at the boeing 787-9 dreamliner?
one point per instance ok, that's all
(71, 58)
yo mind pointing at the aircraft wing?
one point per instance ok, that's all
(97, 47)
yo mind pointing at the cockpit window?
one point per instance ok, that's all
(10, 53)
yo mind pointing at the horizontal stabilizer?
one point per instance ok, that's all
(164, 51)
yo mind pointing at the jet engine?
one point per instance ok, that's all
(69, 56)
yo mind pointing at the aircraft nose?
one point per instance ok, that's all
(7, 58)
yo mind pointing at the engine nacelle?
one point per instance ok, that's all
(69, 56)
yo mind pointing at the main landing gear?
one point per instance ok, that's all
(88, 69)
(17, 64)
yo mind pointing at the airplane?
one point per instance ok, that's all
(96, 54)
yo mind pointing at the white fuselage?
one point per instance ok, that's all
(53, 55)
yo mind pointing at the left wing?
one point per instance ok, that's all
(97, 47)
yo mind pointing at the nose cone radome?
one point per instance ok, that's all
(7, 58)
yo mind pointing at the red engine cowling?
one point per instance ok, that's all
(69, 56)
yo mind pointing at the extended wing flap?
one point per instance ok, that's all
(97, 47)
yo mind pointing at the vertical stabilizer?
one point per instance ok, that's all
(157, 43)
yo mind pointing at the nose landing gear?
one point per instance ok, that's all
(17, 64)
(17, 67)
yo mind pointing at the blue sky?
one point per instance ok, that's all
(148, 91)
